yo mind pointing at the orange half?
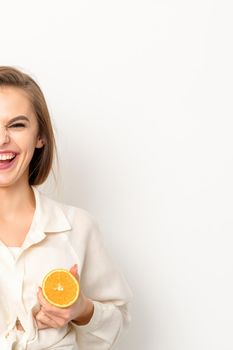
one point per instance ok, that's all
(60, 288)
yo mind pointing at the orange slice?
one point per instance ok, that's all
(60, 288)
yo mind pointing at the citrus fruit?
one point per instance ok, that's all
(60, 288)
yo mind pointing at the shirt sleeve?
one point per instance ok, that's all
(103, 283)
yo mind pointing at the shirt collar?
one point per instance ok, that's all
(48, 218)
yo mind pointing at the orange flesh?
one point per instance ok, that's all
(60, 288)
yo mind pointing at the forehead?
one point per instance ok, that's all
(13, 102)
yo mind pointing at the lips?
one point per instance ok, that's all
(7, 159)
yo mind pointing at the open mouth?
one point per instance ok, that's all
(7, 158)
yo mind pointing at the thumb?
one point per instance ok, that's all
(74, 270)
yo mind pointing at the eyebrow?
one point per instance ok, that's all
(19, 117)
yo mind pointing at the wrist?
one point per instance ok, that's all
(86, 315)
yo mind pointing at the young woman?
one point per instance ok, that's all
(38, 234)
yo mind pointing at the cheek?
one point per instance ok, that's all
(25, 144)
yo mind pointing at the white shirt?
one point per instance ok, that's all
(59, 237)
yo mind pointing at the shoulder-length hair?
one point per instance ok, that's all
(42, 160)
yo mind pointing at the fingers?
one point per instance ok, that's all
(74, 271)
(45, 321)
(50, 312)
(41, 325)
(50, 309)
(50, 316)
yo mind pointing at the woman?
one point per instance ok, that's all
(38, 234)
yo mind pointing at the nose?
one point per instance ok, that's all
(4, 136)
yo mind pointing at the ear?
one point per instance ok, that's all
(40, 143)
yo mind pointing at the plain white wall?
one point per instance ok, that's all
(141, 99)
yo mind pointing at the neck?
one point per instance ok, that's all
(15, 199)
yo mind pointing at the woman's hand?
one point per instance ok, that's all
(50, 316)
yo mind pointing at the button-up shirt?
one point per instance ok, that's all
(59, 237)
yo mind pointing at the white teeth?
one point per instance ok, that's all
(5, 156)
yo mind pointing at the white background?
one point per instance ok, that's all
(140, 94)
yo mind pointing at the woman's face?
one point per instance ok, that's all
(18, 136)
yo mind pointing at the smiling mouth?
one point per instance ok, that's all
(7, 158)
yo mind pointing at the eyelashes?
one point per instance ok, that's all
(17, 125)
